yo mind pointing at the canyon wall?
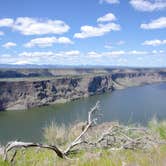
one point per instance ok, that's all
(24, 93)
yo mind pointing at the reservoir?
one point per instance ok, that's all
(132, 105)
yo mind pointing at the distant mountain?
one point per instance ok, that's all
(26, 66)
(34, 66)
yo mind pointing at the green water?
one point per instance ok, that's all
(132, 105)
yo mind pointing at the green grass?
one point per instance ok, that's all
(33, 157)
(158, 127)
(155, 156)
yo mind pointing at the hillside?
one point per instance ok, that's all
(27, 88)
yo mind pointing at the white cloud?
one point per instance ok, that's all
(44, 57)
(121, 53)
(148, 5)
(155, 42)
(34, 26)
(94, 54)
(6, 22)
(75, 57)
(9, 45)
(72, 53)
(1, 33)
(110, 1)
(135, 52)
(107, 17)
(36, 54)
(155, 24)
(49, 54)
(100, 30)
(21, 62)
(114, 53)
(47, 41)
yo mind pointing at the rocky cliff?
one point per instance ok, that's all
(31, 92)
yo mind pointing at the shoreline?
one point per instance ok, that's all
(22, 94)
(63, 101)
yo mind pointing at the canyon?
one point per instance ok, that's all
(22, 89)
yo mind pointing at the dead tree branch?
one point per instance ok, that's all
(116, 137)
(17, 144)
(60, 153)
(89, 124)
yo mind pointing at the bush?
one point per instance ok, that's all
(60, 135)
(54, 134)
(158, 127)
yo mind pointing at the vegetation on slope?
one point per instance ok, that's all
(121, 146)
(154, 156)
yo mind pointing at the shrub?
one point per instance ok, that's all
(54, 134)
(158, 127)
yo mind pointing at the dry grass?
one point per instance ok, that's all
(33, 157)
(61, 135)
(54, 134)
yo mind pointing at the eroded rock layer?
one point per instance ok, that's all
(23, 89)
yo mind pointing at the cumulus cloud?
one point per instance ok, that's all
(114, 53)
(148, 5)
(94, 54)
(6, 22)
(99, 30)
(36, 54)
(72, 53)
(75, 57)
(155, 42)
(47, 41)
(155, 24)
(135, 52)
(107, 17)
(34, 26)
(47, 54)
(9, 45)
(110, 1)
(43, 58)
(121, 53)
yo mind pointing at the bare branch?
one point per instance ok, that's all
(16, 144)
(89, 124)
(58, 151)
(116, 137)
(93, 110)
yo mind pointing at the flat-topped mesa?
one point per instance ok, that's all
(27, 92)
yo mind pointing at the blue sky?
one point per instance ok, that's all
(83, 32)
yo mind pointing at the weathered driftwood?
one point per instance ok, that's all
(18, 144)
(116, 137)
(89, 124)
(60, 153)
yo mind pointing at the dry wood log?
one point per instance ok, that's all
(117, 137)
(60, 153)
(18, 144)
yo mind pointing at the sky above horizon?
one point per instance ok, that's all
(83, 32)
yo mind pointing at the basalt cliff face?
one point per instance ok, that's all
(28, 92)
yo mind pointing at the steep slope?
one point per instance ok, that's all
(24, 94)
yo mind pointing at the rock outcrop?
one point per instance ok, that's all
(24, 94)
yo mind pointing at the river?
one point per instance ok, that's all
(131, 105)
